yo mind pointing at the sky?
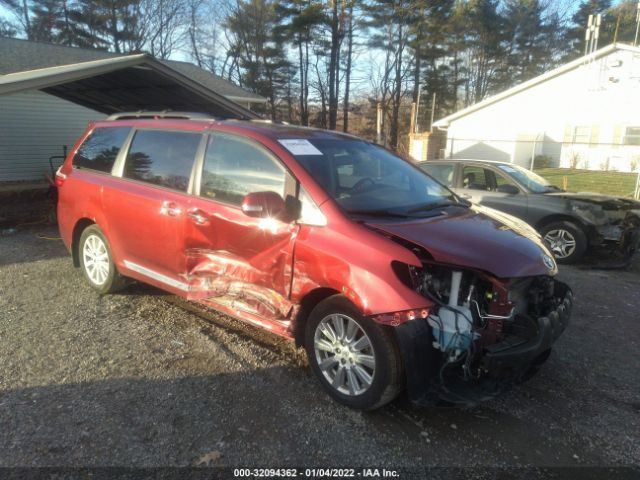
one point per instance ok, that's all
(570, 5)
(365, 60)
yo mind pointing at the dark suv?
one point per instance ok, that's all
(386, 277)
(570, 223)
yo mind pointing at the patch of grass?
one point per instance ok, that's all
(574, 180)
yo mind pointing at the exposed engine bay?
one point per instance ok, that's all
(485, 331)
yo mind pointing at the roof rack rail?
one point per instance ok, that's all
(268, 120)
(165, 114)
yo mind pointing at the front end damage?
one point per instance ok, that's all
(482, 334)
(611, 222)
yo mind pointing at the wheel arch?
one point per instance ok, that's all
(78, 228)
(307, 304)
(561, 217)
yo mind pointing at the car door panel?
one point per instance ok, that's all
(147, 205)
(238, 261)
(234, 262)
(147, 234)
(479, 183)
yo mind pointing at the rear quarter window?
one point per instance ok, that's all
(162, 158)
(441, 172)
(99, 150)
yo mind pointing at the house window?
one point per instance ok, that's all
(581, 135)
(632, 136)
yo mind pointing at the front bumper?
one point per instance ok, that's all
(623, 234)
(514, 359)
(514, 356)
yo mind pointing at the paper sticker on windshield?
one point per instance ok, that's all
(300, 147)
(507, 168)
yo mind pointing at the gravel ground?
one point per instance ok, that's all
(135, 380)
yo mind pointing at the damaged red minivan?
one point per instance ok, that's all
(386, 277)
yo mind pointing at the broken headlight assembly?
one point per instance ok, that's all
(466, 304)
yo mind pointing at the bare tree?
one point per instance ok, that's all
(21, 9)
(166, 21)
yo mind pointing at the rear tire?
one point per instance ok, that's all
(356, 360)
(96, 262)
(566, 240)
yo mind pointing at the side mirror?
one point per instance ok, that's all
(263, 204)
(508, 189)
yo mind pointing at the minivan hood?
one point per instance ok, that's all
(476, 237)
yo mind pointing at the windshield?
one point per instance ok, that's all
(527, 178)
(364, 178)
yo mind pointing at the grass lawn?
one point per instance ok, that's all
(609, 183)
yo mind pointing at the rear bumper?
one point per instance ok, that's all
(498, 366)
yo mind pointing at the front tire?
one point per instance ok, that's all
(96, 262)
(566, 240)
(356, 360)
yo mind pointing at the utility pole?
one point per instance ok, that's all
(379, 123)
(412, 119)
(416, 124)
(635, 40)
(433, 111)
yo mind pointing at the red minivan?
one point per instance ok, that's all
(387, 278)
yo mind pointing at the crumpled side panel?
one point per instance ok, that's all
(249, 285)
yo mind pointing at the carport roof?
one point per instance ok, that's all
(124, 83)
(18, 55)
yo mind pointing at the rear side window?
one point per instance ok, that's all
(234, 167)
(162, 158)
(100, 149)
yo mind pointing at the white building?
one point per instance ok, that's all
(584, 114)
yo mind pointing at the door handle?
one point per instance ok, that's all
(198, 216)
(170, 208)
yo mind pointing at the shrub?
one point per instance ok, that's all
(574, 160)
(541, 161)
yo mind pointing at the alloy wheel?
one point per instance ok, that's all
(96, 259)
(561, 242)
(345, 354)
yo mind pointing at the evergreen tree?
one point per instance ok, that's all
(575, 36)
(259, 49)
(532, 41)
(297, 21)
(623, 21)
(108, 24)
(44, 18)
(486, 52)
(7, 29)
(391, 24)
